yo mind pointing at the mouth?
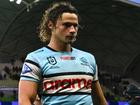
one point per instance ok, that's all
(71, 36)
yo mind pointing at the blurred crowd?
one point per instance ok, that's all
(113, 85)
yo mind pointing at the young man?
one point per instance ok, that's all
(61, 74)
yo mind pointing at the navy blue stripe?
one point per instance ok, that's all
(51, 49)
(54, 49)
(28, 77)
(68, 73)
(32, 62)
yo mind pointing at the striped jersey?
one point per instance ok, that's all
(65, 78)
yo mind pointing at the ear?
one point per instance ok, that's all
(50, 24)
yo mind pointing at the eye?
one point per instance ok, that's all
(67, 25)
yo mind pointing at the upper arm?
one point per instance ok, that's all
(96, 88)
(30, 79)
(97, 94)
(27, 90)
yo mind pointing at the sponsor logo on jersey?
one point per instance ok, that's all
(51, 60)
(67, 85)
(67, 58)
(54, 67)
(84, 61)
(26, 69)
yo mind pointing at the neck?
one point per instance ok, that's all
(60, 46)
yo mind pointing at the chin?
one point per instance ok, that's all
(71, 41)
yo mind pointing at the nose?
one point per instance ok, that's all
(72, 29)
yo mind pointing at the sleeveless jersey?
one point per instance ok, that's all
(65, 77)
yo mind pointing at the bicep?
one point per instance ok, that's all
(27, 90)
(98, 96)
(96, 88)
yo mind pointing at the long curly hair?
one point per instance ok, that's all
(54, 11)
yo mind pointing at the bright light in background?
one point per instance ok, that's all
(18, 1)
(25, 1)
(132, 2)
(136, 1)
(27, 4)
(11, 0)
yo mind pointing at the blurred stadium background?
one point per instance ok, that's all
(111, 31)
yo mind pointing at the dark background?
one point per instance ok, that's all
(111, 31)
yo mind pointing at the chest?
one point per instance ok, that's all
(67, 73)
(66, 63)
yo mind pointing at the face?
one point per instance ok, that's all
(65, 30)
